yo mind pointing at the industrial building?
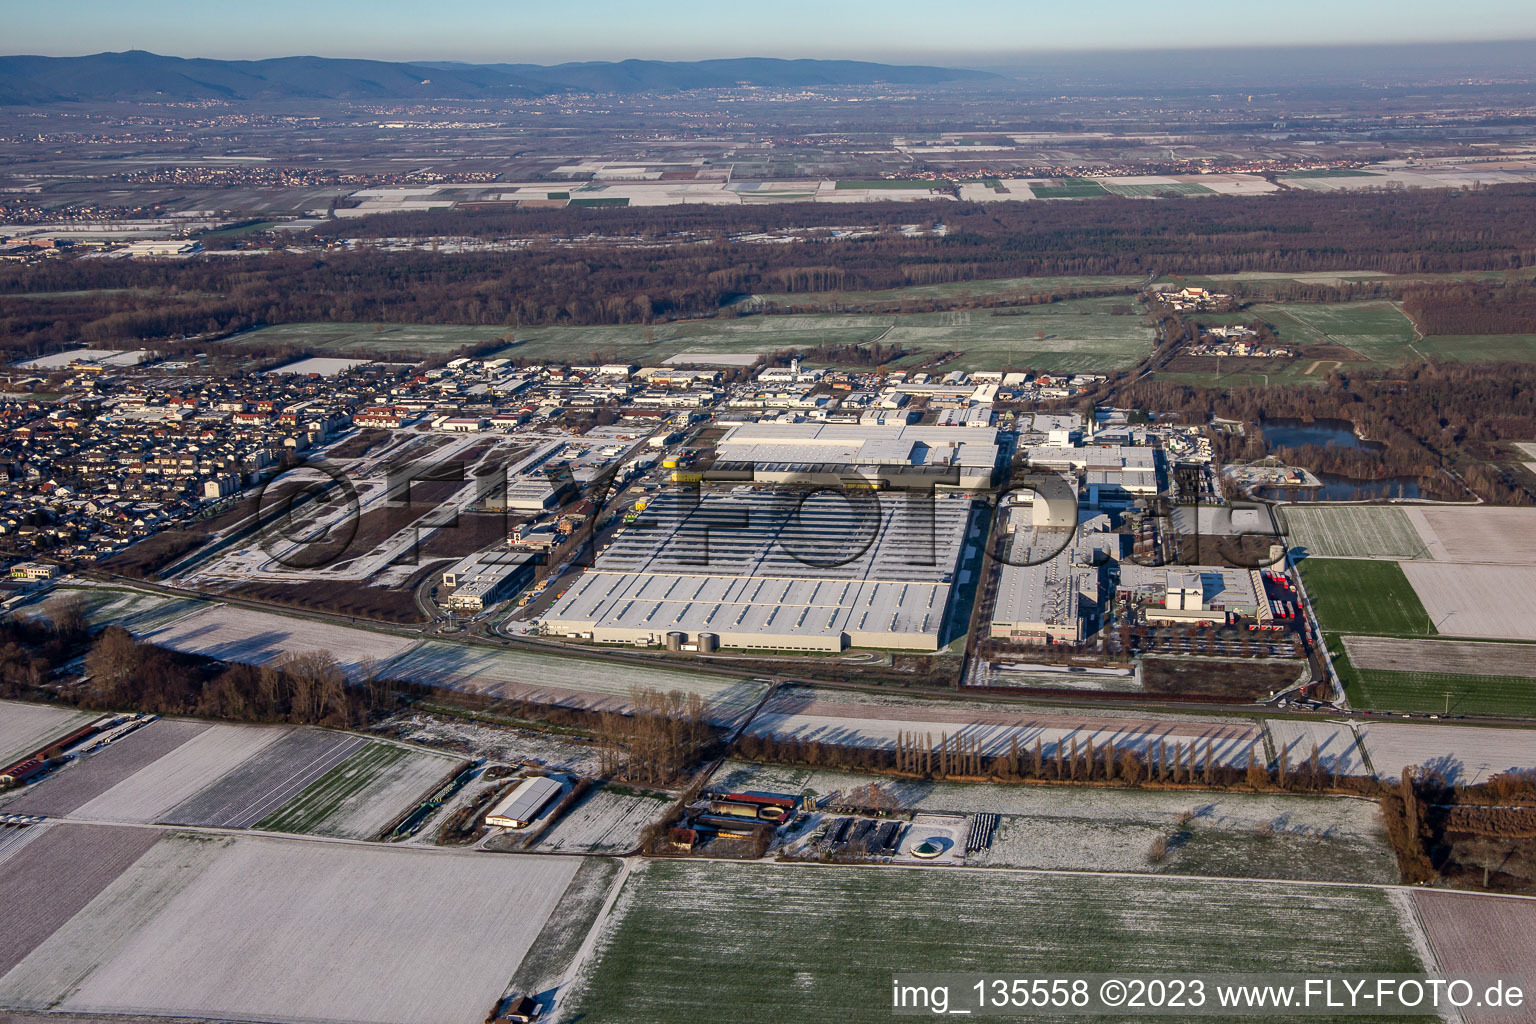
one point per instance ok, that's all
(890, 455)
(1048, 590)
(519, 808)
(773, 570)
(1130, 460)
(486, 577)
(533, 493)
(1194, 593)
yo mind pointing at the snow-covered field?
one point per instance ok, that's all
(607, 820)
(1466, 755)
(500, 743)
(325, 366)
(1396, 654)
(362, 795)
(153, 790)
(24, 728)
(1333, 531)
(566, 679)
(1493, 601)
(255, 638)
(1335, 742)
(995, 729)
(1070, 844)
(263, 929)
(1476, 934)
(1502, 535)
(833, 935)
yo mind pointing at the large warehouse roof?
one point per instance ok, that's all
(525, 801)
(771, 569)
(859, 444)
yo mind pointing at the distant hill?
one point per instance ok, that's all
(136, 75)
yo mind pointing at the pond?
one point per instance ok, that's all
(1342, 488)
(1287, 433)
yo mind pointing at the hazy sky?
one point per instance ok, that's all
(540, 31)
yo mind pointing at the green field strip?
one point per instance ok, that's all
(322, 798)
(1367, 597)
(1512, 348)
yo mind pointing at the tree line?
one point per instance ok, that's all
(566, 276)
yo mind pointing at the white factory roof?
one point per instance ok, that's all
(1099, 457)
(858, 444)
(763, 564)
(525, 801)
(1049, 572)
(1222, 586)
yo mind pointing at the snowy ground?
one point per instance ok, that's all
(1077, 828)
(996, 727)
(263, 929)
(25, 728)
(499, 743)
(567, 679)
(152, 791)
(607, 820)
(1335, 742)
(1465, 755)
(256, 638)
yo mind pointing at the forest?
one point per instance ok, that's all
(1434, 419)
(569, 275)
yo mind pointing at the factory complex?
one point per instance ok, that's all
(774, 569)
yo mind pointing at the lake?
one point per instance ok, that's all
(1342, 488)
(1287, 433)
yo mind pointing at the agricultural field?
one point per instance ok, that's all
(1356, 596)
(1463, 754)
(1294, 372)
(1173, 188)
(267, 780)
(1396, 655)
(824, 941)
(494, 737)
(1079, 335)
(369, 339)
(362, 795)
(56, 874)
(1351, 531)
(1440, 693)
(133, 610)
(885, 183)
(1070, 188)
(1071, 336)
(257, 638)
(253, 928)
(150, 793)
(25, 727)
(79, 783)
(1506, 536)
(1514, 348)
(1493, 601)
(1378, 331)
(981, 291)
(568, 678)
(607, 819)
(995, 728)
(325, 366)
(1472, 933)
(1337, 748)
(547, 961)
